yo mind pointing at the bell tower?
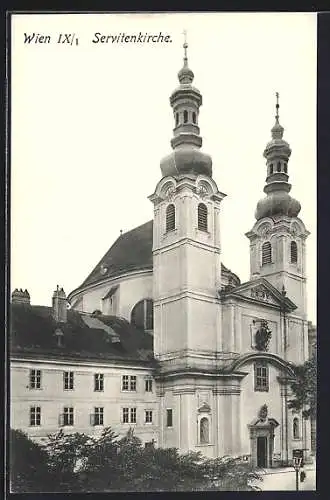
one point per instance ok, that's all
(278, 238)
(186, 240)
(187, 277)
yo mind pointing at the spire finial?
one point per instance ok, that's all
(185, 47)
(277, 106)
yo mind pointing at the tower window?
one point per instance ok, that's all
(266, 251)
(143, 314)
(296, 428)
(294, 252)
(202, 217)
(170, 218)
(261, 377)
(169, 417)
(204, 431)
(194, 117)
(271, 169)
(185, 116)
(286, 168)
(176, 119)
(279, 166)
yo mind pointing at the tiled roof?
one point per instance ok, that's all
(33, 331)
(131, 251)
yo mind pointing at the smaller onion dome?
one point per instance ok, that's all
(278, 202)
(186, 160)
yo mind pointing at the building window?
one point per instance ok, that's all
(204, 431)
(170, 217)
(125, 383)
(296, 428)
(98, 416)
(148, 385)
(279, 166)
(129, 415)
(68, 416)
(294, 252)
(185, 116)
(194, 117)
(35, 416)
(143, 314)
(286, 168)
(266, 251)
(202, 217)
(169, 417)
(68, 380)
(176, 119)
(35, 379)
(271, 169)
(98, 382)
(261, 377)
(148, 416)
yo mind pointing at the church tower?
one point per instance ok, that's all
(277, 240)
(187, 274)
(186, 240)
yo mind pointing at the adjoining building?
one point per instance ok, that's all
(162, 337)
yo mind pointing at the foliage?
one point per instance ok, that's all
(304, 388)
(28, 464)
(105, 463)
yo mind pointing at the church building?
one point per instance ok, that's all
(162, 336)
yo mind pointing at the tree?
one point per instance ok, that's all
(28, 464)
(304, 388)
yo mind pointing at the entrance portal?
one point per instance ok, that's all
(262, 451)
(262, 434)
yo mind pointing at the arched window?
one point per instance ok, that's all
(202, 217)
(295, 428)
(279, 166)
(266, 251)
(142, 315)
(293, 252)
(204, 431)
(194, 117)
(271, 169)
(286, 168)
(185, 116)
(170, 217)
(176, 119)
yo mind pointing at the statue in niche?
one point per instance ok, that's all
(263, 336)
(204, 430)
(263, 413)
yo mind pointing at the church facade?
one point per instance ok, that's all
(189, 356)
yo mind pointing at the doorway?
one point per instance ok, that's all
(262, 451)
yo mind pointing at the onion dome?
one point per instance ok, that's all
(278, 202)
(186, 156)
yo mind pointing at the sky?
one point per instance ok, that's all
(90, 123)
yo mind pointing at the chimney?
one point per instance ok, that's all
(20, 297)
(60, 304)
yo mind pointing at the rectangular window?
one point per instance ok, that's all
(98, 382)
(68, 380)
(148, 385)
(125, 415)
(125, 383)
(35, 415)
(133, 415)
(35, 379)
(68, 416)
(261, 378)
(98, 416)
(128, 383)
(169, 417)
(133, 383)
(148, 416)
(129, 415)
